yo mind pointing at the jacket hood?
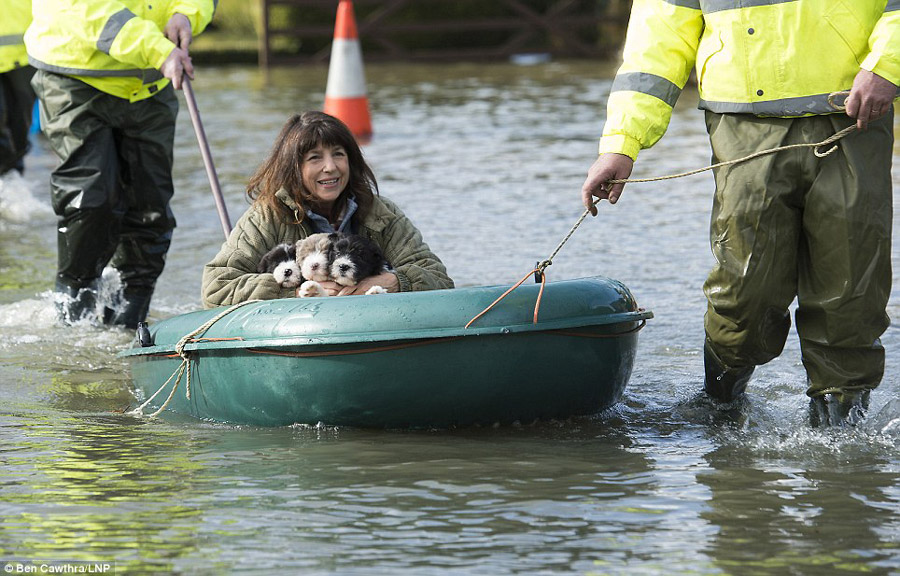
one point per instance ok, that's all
(285, 198)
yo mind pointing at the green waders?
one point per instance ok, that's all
(111, 190)
(16, 113)
(792, 225)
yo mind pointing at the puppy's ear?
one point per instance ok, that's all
(379, 262)
(323, 242)
(379, 254)
(271, 258)
(266, 261)
(375, 252)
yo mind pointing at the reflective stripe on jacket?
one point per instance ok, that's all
(116, 46)
(16, 17)
(768, 58)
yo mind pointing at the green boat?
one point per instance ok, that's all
(408, 360)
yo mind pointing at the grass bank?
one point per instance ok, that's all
(232, 36)
(425, 27)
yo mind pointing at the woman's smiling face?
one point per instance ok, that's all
(325, 170)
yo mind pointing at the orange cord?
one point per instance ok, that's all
(537, 304)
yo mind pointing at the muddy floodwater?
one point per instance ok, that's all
(488, 161)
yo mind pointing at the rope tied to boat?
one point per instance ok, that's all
(185, 366)
(539, 270)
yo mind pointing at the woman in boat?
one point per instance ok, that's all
(316, 180)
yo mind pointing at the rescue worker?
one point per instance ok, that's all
(106, 70)
(16, 95)
(784, 225)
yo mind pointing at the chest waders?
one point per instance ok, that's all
(792, 225)
(111, 191)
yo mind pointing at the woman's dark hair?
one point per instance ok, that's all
(281, 169)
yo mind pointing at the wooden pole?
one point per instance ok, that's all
(207, 157)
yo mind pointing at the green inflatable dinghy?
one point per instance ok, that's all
(397, 360)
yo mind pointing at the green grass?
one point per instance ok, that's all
(233, 34)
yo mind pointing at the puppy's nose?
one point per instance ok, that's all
(288, 272)
(344, 268)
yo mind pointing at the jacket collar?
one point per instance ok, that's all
(376, 221)
(285, 197)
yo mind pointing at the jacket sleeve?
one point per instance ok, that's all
(416, 266)
(231, 276)
(114, 29)
(884, 45)
(660, 51)
(199, 12)
(141, 42)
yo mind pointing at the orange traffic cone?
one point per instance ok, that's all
(345, 93)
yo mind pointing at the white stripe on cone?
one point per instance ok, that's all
(345, 71)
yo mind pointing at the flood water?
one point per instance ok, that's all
(488, 161)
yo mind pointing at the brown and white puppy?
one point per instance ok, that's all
(313, 258)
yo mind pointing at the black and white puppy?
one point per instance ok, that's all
(281, 262)
(354, 257)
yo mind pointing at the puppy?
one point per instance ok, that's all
(354, 257)
(312, 257)
(281, 262)
(313, 260)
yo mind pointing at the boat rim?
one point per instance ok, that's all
(223, 343)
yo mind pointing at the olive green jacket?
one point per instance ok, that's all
(231, 276)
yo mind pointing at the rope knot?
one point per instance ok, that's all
(184, 369)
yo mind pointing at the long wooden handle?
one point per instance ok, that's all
(207, 157)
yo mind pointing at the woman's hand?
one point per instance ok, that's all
(387, 280)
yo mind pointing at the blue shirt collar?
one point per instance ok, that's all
(321, 224)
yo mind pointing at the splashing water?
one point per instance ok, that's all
(17, 203)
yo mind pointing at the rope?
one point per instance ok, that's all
(537, 304)
(185, 365)
(814, 145)
(542, 266)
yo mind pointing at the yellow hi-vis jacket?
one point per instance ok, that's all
(116, 46)
(16, 16)
(768, 58)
